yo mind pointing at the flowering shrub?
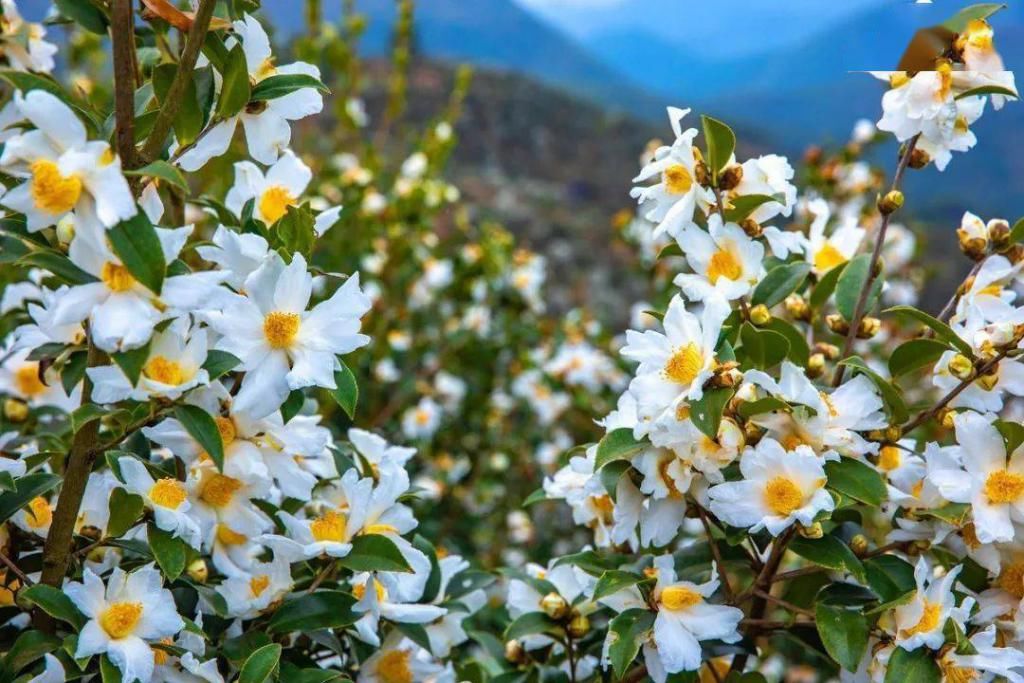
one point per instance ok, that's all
(215, 354)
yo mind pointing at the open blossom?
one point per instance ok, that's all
(271, 193)
(725, 261)
(166, 497)
(127, 614)
(282, 345)
(62, 170)
(266, 123)
(23, 42)
(922, 620)
(825, 252)
(768, 175)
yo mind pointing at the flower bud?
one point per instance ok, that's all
(1015, 253)
(752, 433)
(999, 234)
(751, 227)
(813, 155)
(91, 532)
(65, 230)
(830, 351)
(961, 367)
(813, 531)
(702, 174)
(514, 652)
(891, 202)
(868, 328)
(730, 178)
(946, 416)
(15, 410)
(198, 571)
(859, 545)
(919, 159)
(990, 379)
(893, 433)
(760, 315)
(579, 626)
(815, 365)
(554, 605)
(837, 323)
(798, 307)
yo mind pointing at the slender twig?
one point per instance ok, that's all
(175, 93)
(25, 581)
(926, 415)
(797, 573)
(716, 553)
(783, 603)
(869, 281)
(324, 574)
(122, 37)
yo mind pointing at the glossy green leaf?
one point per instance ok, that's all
(235, 87)
(54, 602)
(915, 355)
(125, 511)
(628, 631)
(857, 480)
(161, 170)
(136, 243)
(347, 392)
(219, 363)
(170, 552)
(780, 282)
(203, 428)
(613, 581)
(959, 21)
(280, 85)
(762, 348)
(720, 141)
(28, 487)
(912, 665)
(58, 264)
(844, 633)
(530, 624)
(851, 282)
(826, 287)
(829, 552)
(261, 664)
(375, 553)
(132, 362)
(706, 412)
(323, 609)
(941, 329)
(617, 444)
(85, 14)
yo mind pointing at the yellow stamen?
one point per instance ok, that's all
(274, 203)
(52, 192)
(393, 667)
(228, 537)
(678, 180)
(329, 526)
(379, 529)
(1003, 486)
(120, 618)
(782, 496)
(26, 379)
(258, 584)
(1011, 579)
(40, 514)
(359, 590)
(827, 258)
(679, 597)
(168, 493)
(889, 458)
(724, 264)
(226, 427)
(165, 371)
(116, 277)
(928, 622)
(684, 365)
(160, 655)
(281, 328)
(218, 490)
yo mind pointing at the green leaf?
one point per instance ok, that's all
(956, 514)
(84, 13)
(170, 552)
(346, 394)
(895, 406)
(613, 581)
(889, 576)
(844, 633)
(673, 249)
(611, 474)
(203, 428)
(28, 487)
(769, 404)
(617, 444)
(74, 370)
(292, 405)
(161, 170)
(745, 205)
(85, 414)
(109, 673)
(132, 362)
(917, 666)
(55, 603)
(914, 355)
(535, 497)
(829, 552)
(1017, 232)
(375, 553)
(28, 648)
(856, 480)
(941, 329)
(323, 609)
(295, 230)
(959, 21)
(799, 351)
(58, 264)
(987, 90)
(720, 141)
(261, 664)
(235, 88)
(1012, 432)
(850, 284)
(628, 632)
(280, 85)
(135, 242)
(125, 511)
(826, 286)
(763, 348)
(530, 624)
(219, 363)
(706, 413)
(780, 282)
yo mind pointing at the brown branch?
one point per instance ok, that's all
(783, 603)
(25, 581)
(175, 93)
(926, 415)
(865, 291)
(122, 37)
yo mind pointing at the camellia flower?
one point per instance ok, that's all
(166, 497)
(725, 262)
(685, 618)
(422, 420)
(283, 346)
(247, 596)
(266, 123)
(993, 483)
(272, 193)
(400, 659)
(674, 365)
(826, 252)
(391, 596)
(238, 254)
(678, 192)
(983, 65)
(125, 616)
(63, 170)
(988, 660)
(20, 377)
(221, 499)
(778, 488)
(23, 41)
(922, 620)
(768, 175)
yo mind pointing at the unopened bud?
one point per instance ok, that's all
(813, 531)
(919, 158)
(918, 547)
(1015, 253)
(65, 230)
(91, 532)
(999, 234)
(859, 545)
(815, 365)
(961, 367)
(752, 228)
(813, 155)
(989, 380)
(15, 410)
(868, 328)
(730, 178)
(798, 307)
(973, 245)
(830, 351)
(837, 323)
(554, 605)
(760, 315)
(514, 652)
(198, 571)
(702, 174)
(891, 202)
(579, 626)
(946, 418)
(893, 433)
(752, 433)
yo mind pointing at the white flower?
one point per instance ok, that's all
(266, 124)
(685, 617)
(248, 595)
(272, 193)
(724, 260)
(987, 660)
(223, 498)
(283, 346)
(391, 596)
(675, 365)
(53, 671)
(677, 194)
(35, 517)
(376, 450)
(421, 420)
(238, 254)
(23, 43)
(63, 170)
(125, 616)
(825, 253)
(778, 488)
(983, 65)
(993, 483)
(921, 621)
(166, 497)
(20, 377)
(400, 659)
(768, 175)
(985, 393)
